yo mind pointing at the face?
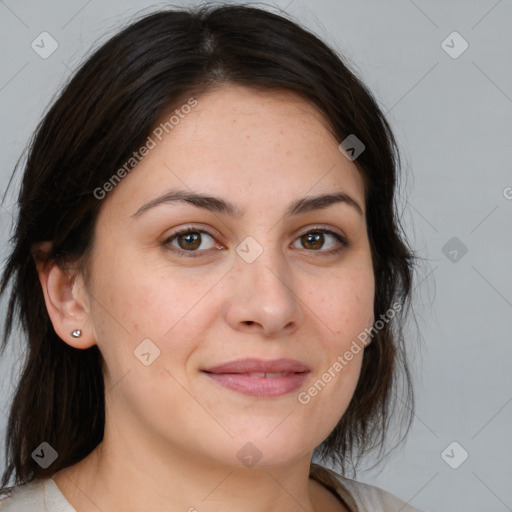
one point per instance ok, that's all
(255, 281)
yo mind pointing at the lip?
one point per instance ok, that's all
(254, 365)
(236, 375)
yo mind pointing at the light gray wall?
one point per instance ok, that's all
(452, 119)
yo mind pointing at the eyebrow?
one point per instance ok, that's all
(219, 205)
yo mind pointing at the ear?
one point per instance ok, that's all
(66, 298)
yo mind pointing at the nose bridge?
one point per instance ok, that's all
(263, 289)
(264, 264)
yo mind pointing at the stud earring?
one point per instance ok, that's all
(76, 333)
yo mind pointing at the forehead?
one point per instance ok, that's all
(244, 144)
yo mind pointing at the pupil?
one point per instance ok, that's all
(189, 238)
(312, 238)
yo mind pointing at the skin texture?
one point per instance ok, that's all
(172, 434)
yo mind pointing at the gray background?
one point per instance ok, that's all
(452, 120)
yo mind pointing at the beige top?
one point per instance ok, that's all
(358, 496)
(45, 496)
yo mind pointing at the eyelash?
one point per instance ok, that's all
(194, 254)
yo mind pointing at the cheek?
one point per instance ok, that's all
(139, 301)
(136, 298)
(345, 305)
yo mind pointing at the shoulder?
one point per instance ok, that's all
(361, 497)
(29, 496)
(372, 498)
(36, 496)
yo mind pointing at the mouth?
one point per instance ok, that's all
(260, 378)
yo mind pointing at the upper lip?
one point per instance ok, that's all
(254, 365)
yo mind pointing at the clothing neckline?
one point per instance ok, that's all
(334, 483)
(325, 476)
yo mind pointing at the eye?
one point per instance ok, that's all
(187, 241)
(315, 239)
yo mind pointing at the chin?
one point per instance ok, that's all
(271, 448)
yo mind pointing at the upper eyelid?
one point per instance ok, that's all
(214, 234)
(193, 229)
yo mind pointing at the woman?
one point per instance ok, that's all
(211, 276)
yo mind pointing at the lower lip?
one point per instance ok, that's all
(260, 386)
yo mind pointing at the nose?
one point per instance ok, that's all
(262, 296)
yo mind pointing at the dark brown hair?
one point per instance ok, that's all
(104, 114)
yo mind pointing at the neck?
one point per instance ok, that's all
(122, 475)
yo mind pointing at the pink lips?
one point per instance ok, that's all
(257, 377)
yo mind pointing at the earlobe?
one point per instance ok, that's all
(66, 302)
